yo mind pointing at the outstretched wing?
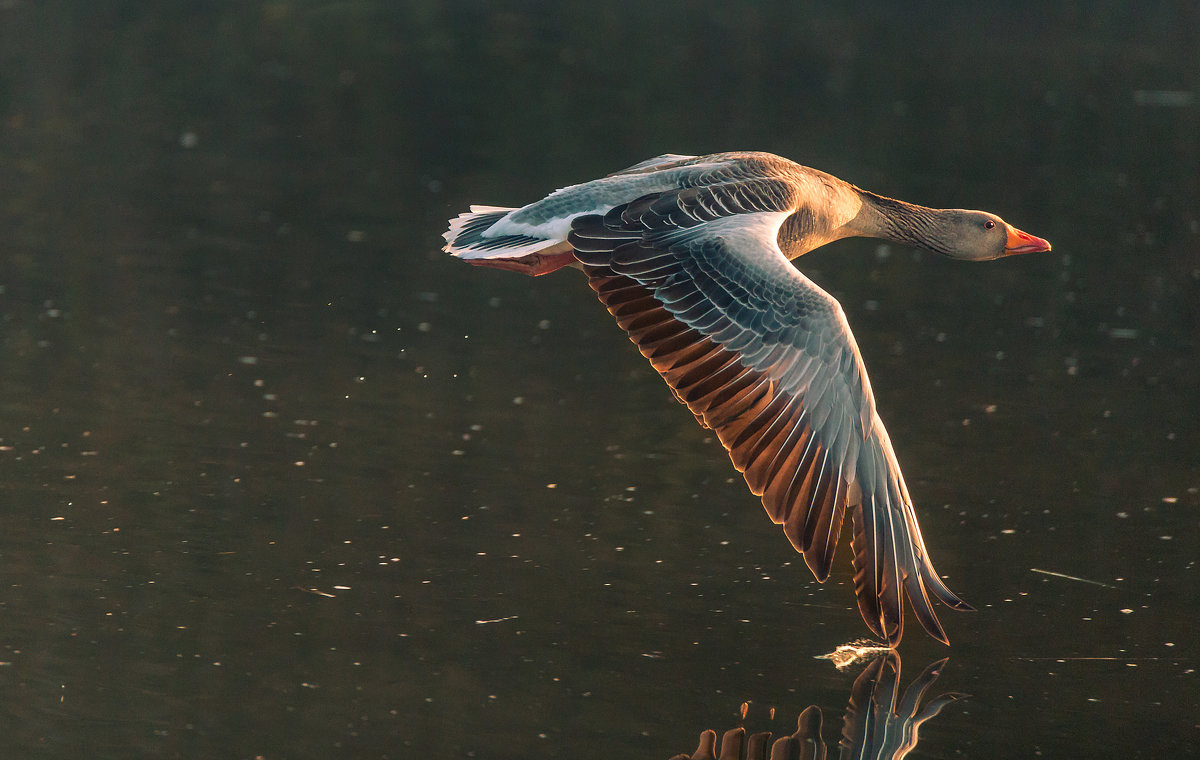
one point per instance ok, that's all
(765, 358)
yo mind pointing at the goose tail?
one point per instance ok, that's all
(472, 237)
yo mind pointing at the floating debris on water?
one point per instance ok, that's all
(317, 592)
(1069, 577)
(855, 651)
(496, 620)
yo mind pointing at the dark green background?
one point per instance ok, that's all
(236, 373)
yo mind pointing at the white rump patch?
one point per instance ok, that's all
(554, 229)
(473, 235)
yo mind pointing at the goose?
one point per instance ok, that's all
(692, 256)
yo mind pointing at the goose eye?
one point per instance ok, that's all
(989, 224)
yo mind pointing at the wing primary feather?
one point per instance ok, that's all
(772, 440)
(789, 449)
(893, 622)
(922, 608)
(820, 509)
(676, 350)
(634, 308)
(732, 384)
(796, 494)
(801, 495)
(733, 419)
(816, 500)
(749, 436)
(825, 540)
(684, 377)
(787, 466)
(864, 573)
(692, 392)
(786, 470)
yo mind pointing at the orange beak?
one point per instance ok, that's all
(1023, 242)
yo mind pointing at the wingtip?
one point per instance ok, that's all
(820, 569)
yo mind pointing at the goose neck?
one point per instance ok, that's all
(900, 222)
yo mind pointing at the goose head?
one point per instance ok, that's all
(980, 236)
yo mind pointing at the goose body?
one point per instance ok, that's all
(692, 256)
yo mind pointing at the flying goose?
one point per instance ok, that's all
(691, 254)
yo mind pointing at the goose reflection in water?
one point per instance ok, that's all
(879, 723)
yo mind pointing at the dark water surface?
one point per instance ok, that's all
(280, 480)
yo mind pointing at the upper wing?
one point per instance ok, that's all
(654, 164)
(765, 358)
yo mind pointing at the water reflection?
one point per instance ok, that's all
(879, 722)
